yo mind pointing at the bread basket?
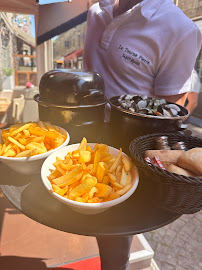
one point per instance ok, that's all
(178, 193)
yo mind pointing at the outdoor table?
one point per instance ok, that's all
(4, 107)
(137, 215)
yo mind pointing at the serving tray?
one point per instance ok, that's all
(136, 215)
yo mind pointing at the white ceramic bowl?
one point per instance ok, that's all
(31, 165)
(84, 208)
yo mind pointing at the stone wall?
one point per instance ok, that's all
(1, 71)
(69, 41)
(192, 8)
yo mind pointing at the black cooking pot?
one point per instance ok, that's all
(74, 100)
(125, 126)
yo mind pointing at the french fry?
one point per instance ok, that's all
(92, 192)
(89, 168)
(27, 153)
(9, 153)
(73, 185)
(60, 191)
(116, 162)
(51, 134)
(26, 132)
(126, 163)
(100, 171)
(112, 196)
(49, 126)
(16, 143)
(84, 187)
(124, 178)
(26, 126)
(56, 164)
(66, 165)
(40, 147)
(96, 162)
(118, 170)
(103, 190)
(85, 176)
(118, 177)
(22, 141)
(123, 190)
(116, 185)
(112, 177)
(2, 149)
(106, 180)
(54, 174)
(84, 198)
(16, 149)
(7, 147)
(83, 144)
(22, 137)
(88, 177)
(84, 156)
(70, 177)
(41, 124)
(58, 141)
(95, 200)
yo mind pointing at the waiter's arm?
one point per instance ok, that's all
(179, 99)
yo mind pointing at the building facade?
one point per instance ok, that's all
(68, 43)
(15, 39)
(193, 9)
(67, 48)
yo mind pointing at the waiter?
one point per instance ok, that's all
(139, 47)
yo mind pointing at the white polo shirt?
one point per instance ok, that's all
(193, 84)
(151, 49)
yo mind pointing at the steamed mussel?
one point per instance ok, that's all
(148, 106)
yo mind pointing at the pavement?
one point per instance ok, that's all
(178, 246)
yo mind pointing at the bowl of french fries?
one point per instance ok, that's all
(25, 146)
(89, 177)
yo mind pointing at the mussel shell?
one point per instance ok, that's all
(173, 112)
(167, 113)
(136, 99)
(128, 97)
(143, 111)
(142, 104)
(160, 109)
(172, 106)
(132, 110)
(134, 106)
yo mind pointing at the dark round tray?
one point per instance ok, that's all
(136, 215)
(175, 192)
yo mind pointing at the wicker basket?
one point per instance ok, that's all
(178, 193)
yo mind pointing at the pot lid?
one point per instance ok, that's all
(71, 88)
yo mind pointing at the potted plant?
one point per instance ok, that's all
(8, 80)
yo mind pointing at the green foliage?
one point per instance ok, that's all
(8, 71)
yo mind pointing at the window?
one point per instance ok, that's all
(66, 44)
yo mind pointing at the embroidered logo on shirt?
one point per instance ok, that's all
(132, 57)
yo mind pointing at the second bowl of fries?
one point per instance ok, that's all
(24, 147)
(90, 177)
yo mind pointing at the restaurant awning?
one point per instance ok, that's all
(55, 19)
(51, 19)
(73, 55)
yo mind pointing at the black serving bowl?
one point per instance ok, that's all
(74, 100)
(125, 126)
